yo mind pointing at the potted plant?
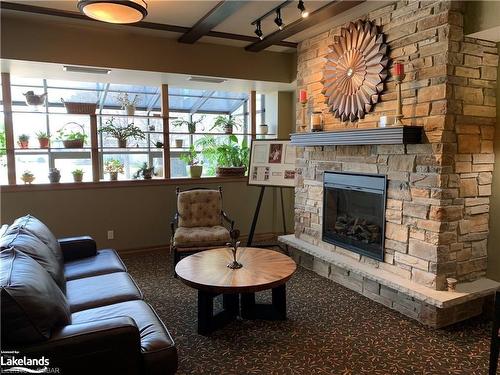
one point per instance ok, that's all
(225, 123)
(54, 175)
(23, 140)
(72, 138)
(191, 124)
(192, 161)
(43, 139)
(264, 129)
(122, 132)
(145, 172)
(127, 104)
(227, 156)
(77, 175)
(27, 177)
(179, 143)
(113, 167)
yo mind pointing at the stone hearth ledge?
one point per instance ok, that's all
(465, 292)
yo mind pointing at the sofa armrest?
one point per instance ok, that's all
(77, 247)
(101, 346)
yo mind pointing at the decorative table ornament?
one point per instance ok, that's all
(303, 101)
(316, 121)
(54, 175)
(398, 72)
(355, 71)
(233, 245)
(452, 284)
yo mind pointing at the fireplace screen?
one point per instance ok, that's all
(354, 212)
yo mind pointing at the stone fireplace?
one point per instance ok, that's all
(437, 196)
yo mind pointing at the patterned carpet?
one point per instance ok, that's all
(330, 330)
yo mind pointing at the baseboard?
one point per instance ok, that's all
(258, 237)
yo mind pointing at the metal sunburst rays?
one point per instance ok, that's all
(355, 70)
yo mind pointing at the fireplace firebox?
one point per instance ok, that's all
(354, 212)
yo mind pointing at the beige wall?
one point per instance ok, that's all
(139, 216)
(81, 43)
(481, 15)
(494, 238)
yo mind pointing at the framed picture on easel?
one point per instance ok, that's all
(272, 163)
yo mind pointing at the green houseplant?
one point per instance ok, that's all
(225, 123)
(191, 124)
(72, 138)
(23, 140)
(113, 167)
(27, 177)
(43, 139)
(122, 132)
(77, 175)
(226, 155)
(191, 159)
(145, 172)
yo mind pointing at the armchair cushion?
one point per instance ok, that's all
(105, 261)
(32, 303)
(199, 208)
(31, 225)
(201, 236)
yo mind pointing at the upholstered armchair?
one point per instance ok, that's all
(199, 222)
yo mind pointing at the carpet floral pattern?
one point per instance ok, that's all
(330, 330)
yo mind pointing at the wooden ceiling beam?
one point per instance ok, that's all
(322, 14)
(214, 17)
(144, 25)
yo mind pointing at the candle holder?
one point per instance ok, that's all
(399, 75)
(233, 245)
(303, 124)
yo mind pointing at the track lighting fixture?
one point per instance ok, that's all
(258, 30)
(278, 20)
(303, 12)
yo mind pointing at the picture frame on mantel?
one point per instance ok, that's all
(272, 163)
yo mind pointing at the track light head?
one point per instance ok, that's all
(258, 30)
(278, 20)
(303, 12)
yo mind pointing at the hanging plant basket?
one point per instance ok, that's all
(230, 171)
(75, 143)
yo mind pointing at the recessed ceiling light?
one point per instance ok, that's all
(114, 11)
(85, 69)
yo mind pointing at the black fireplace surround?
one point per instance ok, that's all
(354, 212)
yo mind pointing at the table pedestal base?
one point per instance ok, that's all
(274, 311)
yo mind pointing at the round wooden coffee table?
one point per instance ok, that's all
(262, 269)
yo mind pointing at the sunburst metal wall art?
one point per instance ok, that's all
(355, 70)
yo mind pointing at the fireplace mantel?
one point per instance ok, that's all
(369, 136)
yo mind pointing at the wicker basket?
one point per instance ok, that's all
(230, 171)
(80, 108)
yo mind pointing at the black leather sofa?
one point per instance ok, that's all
(77, 306)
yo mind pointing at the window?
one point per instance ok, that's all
(46, 136)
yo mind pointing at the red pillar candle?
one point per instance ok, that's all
(398, 69)
(303, 96)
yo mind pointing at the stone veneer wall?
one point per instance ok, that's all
(438, 191)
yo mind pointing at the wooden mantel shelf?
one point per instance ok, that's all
(391, 135)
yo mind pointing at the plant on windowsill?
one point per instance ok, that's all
(225, 123)
(192, 160)
(72, 138)
(43, 139)
(225, 155)
(145, 172)
(127, 104)
(77, 175)
(191, 124)
(23, 141)
(113, 167)
(27, 177)
(122, 132)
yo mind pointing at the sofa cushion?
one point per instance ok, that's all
(199, 208)
(30, 224)
(201, 236)
(101, 290)
(157, 347)
(32, 303)
(106, 261)
(39, 251)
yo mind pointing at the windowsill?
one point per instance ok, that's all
(119, 184)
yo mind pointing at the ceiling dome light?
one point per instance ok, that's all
(258, 31)
(278, 20)
(114, 11)
(303, 12)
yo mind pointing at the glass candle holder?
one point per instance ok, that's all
(316, 121)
